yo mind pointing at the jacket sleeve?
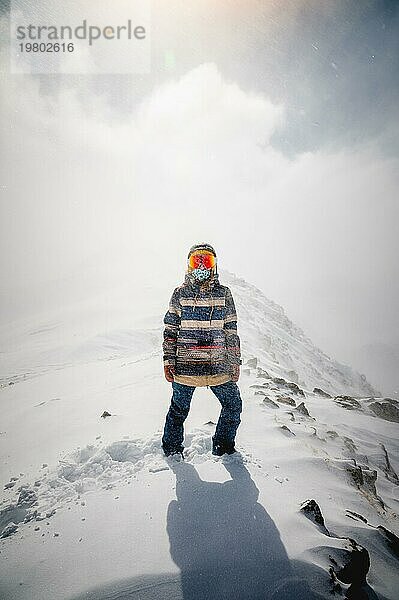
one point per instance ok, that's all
(230, 329)
(171, 321)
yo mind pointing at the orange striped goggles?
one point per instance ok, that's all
(203, 260)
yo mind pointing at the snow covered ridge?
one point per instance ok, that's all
(283, 349)
(343, 542)
(126, 322)
(98, 466)
(90, 508)
(312, 495)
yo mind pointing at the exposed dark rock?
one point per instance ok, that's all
(279, 381)
(260, 393)
(346, 398)
(312, 511)
(302, 409)
(391, 539)
(388, 469)
(286, 400)
(106, 414)
(263, 373)
(336, 587)
(385, 410)
(332, 434)
(350, 444)
(392, 401)
(364, 478)
(269, 402)
(210, 423)
(316, 435)
(347, 402)
(260, 386)
(252, 363)
(9, 530)
(321, 392)
(349, 561)
(10, 485)
(27, 498)
(295, 388)
(286, 430)
(351, 565)
(356, 516)
(31, 516)
(356, 473)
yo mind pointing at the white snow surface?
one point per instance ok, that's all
(90, 507)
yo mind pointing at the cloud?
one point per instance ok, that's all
(77, 180)
(195, 162)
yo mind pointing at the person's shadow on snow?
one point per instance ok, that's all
(225, 543)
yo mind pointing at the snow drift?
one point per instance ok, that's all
(90, 508)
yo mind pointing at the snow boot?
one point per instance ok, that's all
(220, 449)
(175, 457)
(174, 452)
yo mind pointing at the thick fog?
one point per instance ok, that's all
(269, 132)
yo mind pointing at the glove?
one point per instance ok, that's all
(235, 373)
(169, 371)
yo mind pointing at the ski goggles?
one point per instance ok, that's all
(203, 260)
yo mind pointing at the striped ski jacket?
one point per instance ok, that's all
(200, 335)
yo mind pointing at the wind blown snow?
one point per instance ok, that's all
(90, 508)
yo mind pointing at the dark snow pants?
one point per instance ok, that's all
(229, 397)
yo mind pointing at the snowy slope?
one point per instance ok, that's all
(91, 509)
(283, 349)
(127, 320)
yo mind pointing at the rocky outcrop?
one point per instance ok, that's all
(391, 539)
(347, 402)
(312, 511)
(321, 392)
(279, 381)
(364, 479)
(263, 373)
(385, 410)
(9, 530)
(252, 363)
(27, 498)
(287, 431)
(286, 400)
(260, 386)
(388, 469)
(301, 408)
(351, 565)
(295, 389)
(346, 561)
(269, 402)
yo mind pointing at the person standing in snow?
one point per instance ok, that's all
(201, 347)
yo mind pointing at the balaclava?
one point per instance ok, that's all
(201, 274)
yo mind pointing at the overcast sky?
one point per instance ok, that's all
(269, 129)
